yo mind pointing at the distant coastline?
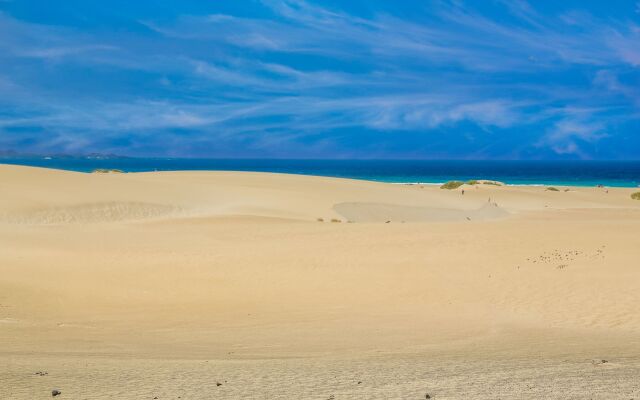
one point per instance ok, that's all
(561, 173)
(11, 154)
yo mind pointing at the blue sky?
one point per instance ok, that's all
(322, 79)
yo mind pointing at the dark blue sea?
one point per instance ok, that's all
(574, 173)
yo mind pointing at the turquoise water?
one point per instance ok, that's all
(570, 173)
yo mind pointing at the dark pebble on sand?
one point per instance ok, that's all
(55, 393)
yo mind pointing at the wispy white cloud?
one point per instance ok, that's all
(59, 52)
(23, 39)
(304, 69)
(576, 126)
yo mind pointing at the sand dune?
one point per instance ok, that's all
(229, 277)
(375, 212)
(34, 195)
(91, 213)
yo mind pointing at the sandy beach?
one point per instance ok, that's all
(233, 285)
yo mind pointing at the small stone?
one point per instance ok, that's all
(55, 393)
(218, 384)
(427, 396)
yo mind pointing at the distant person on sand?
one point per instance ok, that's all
(463, 192)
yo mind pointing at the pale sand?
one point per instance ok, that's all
(162, 284)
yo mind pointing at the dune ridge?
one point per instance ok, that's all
(36, 195)
(376, 212)
(92, 213)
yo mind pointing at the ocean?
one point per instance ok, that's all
(568, 173)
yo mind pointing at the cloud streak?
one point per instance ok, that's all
(297, 75)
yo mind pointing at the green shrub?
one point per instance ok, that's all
(452, 185)
(494, 183)
(472, 182)
(635, 196)
(552, 189)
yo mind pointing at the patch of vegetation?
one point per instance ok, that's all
(320, 219)
(473, 182)
(335, 220)
(494, 183)
(635, 196)
(107, 171)
(452, 185)
(552, 189)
